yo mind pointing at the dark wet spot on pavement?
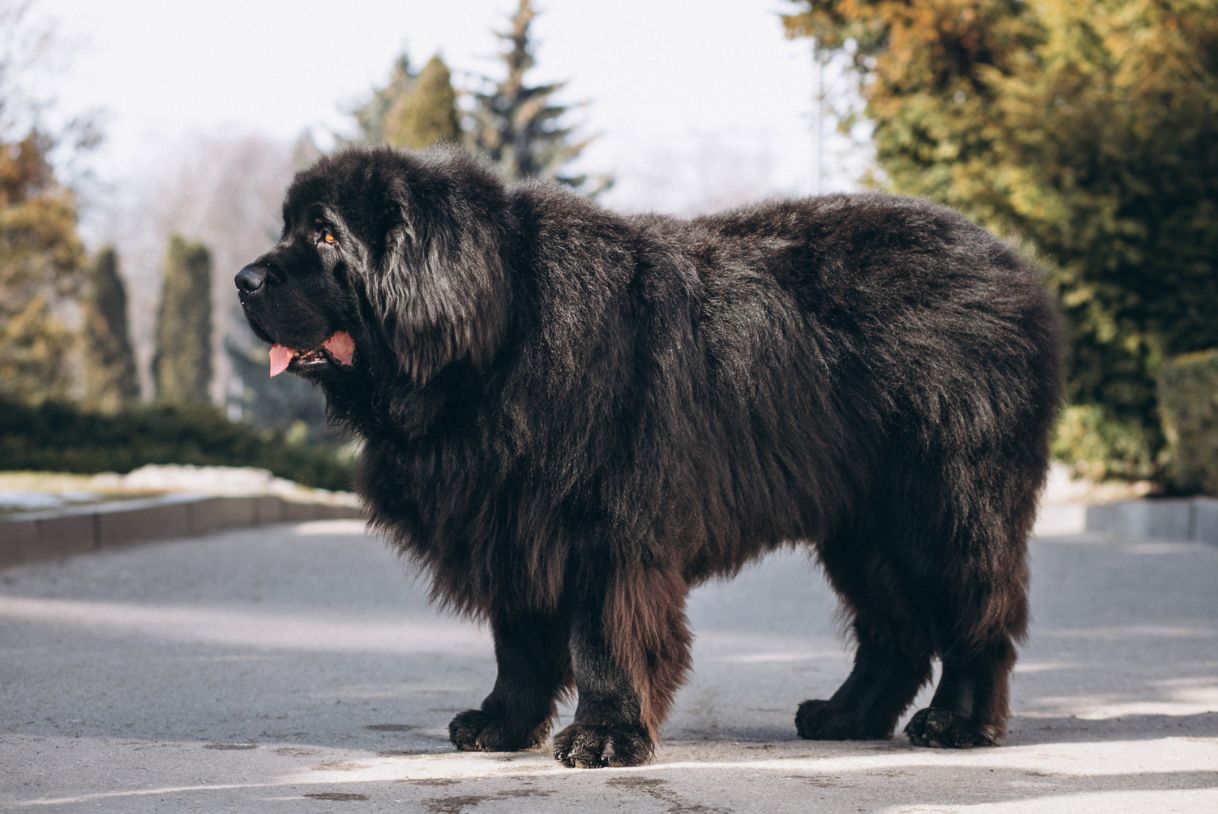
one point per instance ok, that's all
(458, 804)
(338, 766)
(656, 789)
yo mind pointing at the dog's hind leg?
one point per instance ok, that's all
(534, 669)
(630, 648)
(970, 704)
(885, 678)
(979, 607)
(892, 659)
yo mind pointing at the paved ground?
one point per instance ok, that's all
(297, 668)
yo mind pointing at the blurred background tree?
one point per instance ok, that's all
(371, 114)
(41, 267)
(41, 253)
(521, 128)
(426, 115)
(1086, 128)
(110, 377)
(181, 367)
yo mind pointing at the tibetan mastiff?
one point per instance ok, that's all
(571, 417)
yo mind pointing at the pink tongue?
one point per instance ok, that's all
(340, 346)
(281, 357)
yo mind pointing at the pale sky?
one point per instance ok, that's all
(691, 102)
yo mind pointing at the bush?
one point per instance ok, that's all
(57, 436)
(1098, 446)
(1188, 406)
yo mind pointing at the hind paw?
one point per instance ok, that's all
(827, 721)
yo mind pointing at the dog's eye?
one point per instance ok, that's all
(328, 237)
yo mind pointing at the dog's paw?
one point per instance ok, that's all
(827, 721)
(593, 746)
(945, 729)
(478, 731)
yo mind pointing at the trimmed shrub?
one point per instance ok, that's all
(1188, 406)
(57, 436)
(1098, 446)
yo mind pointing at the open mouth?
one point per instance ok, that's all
(339, 350)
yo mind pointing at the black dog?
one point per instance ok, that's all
(571, 417)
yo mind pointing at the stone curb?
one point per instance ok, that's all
(1194, 519)
(37, 536)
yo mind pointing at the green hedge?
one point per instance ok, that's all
(1099, 447)
(1188, 407)
(56, 436)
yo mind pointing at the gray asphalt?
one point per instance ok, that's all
(300, 668)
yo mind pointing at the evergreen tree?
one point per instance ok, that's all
(371, 116)
(520, 127)
(1085, 127)
(109, 366)
(181, 366)
(427, 114)
(41, 254)
(41, 264)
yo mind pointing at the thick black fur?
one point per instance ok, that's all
(570, 417)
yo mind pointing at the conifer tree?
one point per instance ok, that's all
(41, 263)
(521, 127)
(109, 363)
(371, 116)
(427, 114)
(42, 258)
(1085, 128)
(181, 367)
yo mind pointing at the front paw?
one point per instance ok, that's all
(478, 731)
(593, 746)
(945, 729)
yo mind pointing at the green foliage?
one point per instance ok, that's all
(371, 115)
(181, 366)
(1086, 128)
(1188, 402)
(41, 264)
(1099, 446)
(109, 363)
(427, 114)
(60, 437)
(520, 127)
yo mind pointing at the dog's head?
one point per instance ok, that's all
(389, 263)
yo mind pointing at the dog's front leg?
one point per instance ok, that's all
(534, 668)
(629, 652)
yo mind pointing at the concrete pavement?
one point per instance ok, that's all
(299, 668)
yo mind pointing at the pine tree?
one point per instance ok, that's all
(109, 365)
(42, 258)
(41, 264)
(1084, 127)
(371, 116)
(181, 366)
(427, 114)
(520, 127)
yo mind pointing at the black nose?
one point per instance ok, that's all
(250, 278)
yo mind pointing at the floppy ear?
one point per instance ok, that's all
(439, 287)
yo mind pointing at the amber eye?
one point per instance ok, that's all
(328, 238)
